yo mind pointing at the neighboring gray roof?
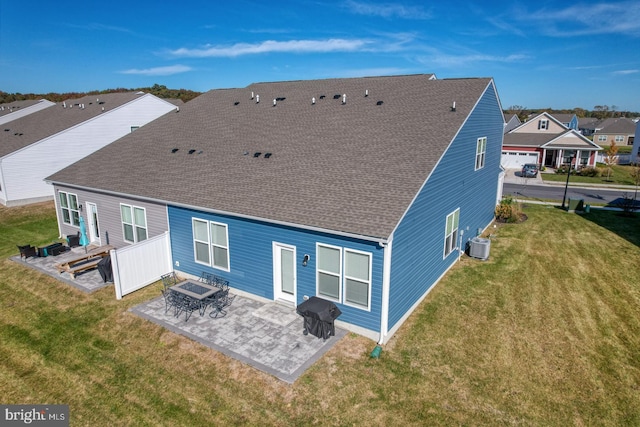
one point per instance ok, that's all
(563, 117)
(549, 140)
(26, 130)
(351, 168)
(9, 107)
(527, 139)
(620, 125)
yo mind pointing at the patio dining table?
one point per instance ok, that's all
(199, 293)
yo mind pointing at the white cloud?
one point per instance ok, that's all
(625, 72)
(584, 19)
(455, 61)
(271, 46)
(387, 10)
(159, 71)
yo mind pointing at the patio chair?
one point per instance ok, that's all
(218, 302)
(27, 251)
(185, 304)
(169, 279)
(169, 300)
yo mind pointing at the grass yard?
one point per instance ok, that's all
(620, 175)
(546, 332)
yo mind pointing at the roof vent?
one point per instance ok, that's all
(267, 155)
(174, 150)
(236, 103)
(453, 107)
(252, 95)
(336, 96)
(280, 98)
(257, 99)
(379, 102)
(7, 130)
(323, 96)
(274, 102)
(313, 101)
(192, 151)
(344, 98)
(177, 109)
(257, 154)
(64, 104)
(366, 92)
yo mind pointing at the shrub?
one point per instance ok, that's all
(590, 171)
(508, 210)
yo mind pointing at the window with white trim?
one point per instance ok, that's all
(211, 243)
(481, 150)
(451, 232)
(543, 124)
(619, 138)
(344, 275)
(602, 138)
(134, 223)
(70, 208)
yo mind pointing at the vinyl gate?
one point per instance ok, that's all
(139, 265)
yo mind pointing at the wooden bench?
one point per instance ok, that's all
(88, 265)
(84, 262)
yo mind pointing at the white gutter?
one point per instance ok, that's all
(386, 285)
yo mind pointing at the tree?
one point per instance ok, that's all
(611, 157)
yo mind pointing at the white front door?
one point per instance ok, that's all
(92, 217)
(284, 272)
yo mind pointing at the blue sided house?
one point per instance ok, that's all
(361, 191)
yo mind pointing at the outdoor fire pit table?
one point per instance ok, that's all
(318, 315)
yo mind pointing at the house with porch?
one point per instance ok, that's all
(42, 138)
(361, 191)
(546, 141)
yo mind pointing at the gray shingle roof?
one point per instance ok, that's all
(9, 107)
(26, 130)
(352, 167)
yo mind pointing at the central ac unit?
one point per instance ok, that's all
(479, 248)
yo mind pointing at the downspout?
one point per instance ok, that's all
(386, 285)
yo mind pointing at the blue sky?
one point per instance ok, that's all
(543, 54)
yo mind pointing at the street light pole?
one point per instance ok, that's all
(566, 186)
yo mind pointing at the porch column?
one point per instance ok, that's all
(544, 157)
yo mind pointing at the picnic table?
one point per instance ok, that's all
(84, 262)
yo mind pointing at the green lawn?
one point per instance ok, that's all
(620, 175)
(544, 333)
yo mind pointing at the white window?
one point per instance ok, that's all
(344, 275)
(134, 128)
(69, 207)
(451, 232)
(134, 223)
(543, 124)
(211, 243)
(481, 150)
(619, 138)
(602, 138)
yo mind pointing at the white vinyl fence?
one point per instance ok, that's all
(139, 265)
(622, 159)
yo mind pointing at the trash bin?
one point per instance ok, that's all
(318, 315)
(587, 208)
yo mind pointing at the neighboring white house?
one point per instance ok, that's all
(39, 144)
(15, 110)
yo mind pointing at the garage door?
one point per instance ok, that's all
(515, 159)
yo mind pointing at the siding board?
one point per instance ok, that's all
(418, 242)
(251, 258)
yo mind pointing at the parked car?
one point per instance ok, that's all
(530, 170)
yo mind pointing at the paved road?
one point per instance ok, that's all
(549, 192)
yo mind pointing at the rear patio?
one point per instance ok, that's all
(265, 335)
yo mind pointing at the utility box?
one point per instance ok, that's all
(479, 248)
(575, 205)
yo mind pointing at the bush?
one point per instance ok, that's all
(590, 171)
(508, 210)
